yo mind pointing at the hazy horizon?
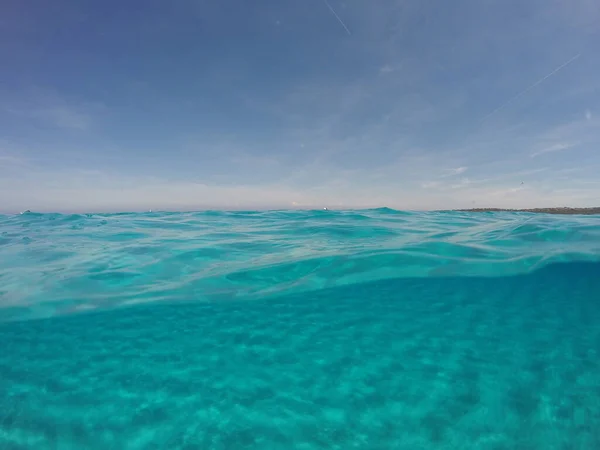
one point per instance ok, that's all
(279, 105)
(269, 209)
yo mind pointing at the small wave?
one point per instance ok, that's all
(91, 261)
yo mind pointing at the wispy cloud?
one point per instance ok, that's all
(461, 184)
(430, 184)
(8, 160)
(386, 69)
(49, 108)
(455, 171)
(63, 117)
(554, 148)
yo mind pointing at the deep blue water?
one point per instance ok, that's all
(300, 330)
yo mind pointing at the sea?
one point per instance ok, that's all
(368, 329)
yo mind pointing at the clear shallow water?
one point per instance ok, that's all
(372, 329)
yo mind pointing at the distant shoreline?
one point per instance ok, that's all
(564, 210)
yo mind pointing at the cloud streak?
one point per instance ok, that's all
(553, 148)
(525, 91)
(337, 17)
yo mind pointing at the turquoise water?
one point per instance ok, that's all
(300, 330)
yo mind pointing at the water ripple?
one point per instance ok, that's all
(54, 264)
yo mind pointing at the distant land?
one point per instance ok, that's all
(564, 210)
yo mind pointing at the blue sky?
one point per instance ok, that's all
(298, 104)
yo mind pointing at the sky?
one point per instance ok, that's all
(231, 104)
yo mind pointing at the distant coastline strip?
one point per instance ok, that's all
(563, 210)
